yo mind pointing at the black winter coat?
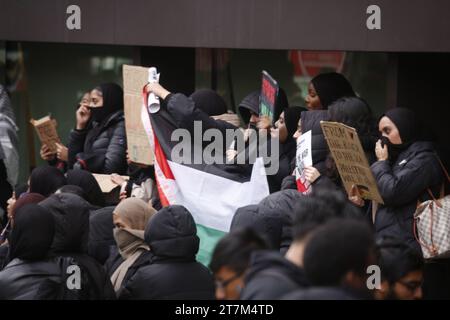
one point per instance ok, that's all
(22, 280)
(267, 222)
(173, 272)
(271, 276)
(283, 201)
(100, 149)
(70, 244)
(403, 183)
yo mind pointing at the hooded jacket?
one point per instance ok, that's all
(267, 222)
(70, 245)
(173, 273)
(101, 146)
(284, 202)
(30, 242)
(271, 276)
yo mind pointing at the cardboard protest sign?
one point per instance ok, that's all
(350, 160)
(105, 182)
(303, 159)
(134, 80)
(269, 92)
(46, 131)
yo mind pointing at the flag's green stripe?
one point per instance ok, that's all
(208, 240)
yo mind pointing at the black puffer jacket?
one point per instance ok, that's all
(271, 276)
(19, 274)
(267, 222)
(102, 149)
(70, 244)
(173, 272)
(284, 202)
(311, 121)
(401, 185)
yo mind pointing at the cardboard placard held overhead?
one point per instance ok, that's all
(350, 160)
(134, 79)
(46, 131)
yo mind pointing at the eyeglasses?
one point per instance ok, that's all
(411, 285)
(223, 284)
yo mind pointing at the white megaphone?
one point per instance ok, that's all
(153, 101)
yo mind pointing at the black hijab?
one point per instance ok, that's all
(86, 181)
(46, 180)
(281, 103)
(291, 117)
(33, 232)
(209, 102)
(409, 129)
(406, 122)
(112, 95)
(331, 86)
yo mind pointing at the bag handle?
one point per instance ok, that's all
(442, 192)
(443, 168)
(432, 250)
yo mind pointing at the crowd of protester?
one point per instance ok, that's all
(126, 245)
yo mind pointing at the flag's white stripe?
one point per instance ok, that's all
(213, 199)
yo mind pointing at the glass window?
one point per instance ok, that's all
(235, 73)
(51, 78)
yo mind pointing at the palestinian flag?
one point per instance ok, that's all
(212, 193)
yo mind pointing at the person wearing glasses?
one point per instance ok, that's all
(231, 260)
(401, 271)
